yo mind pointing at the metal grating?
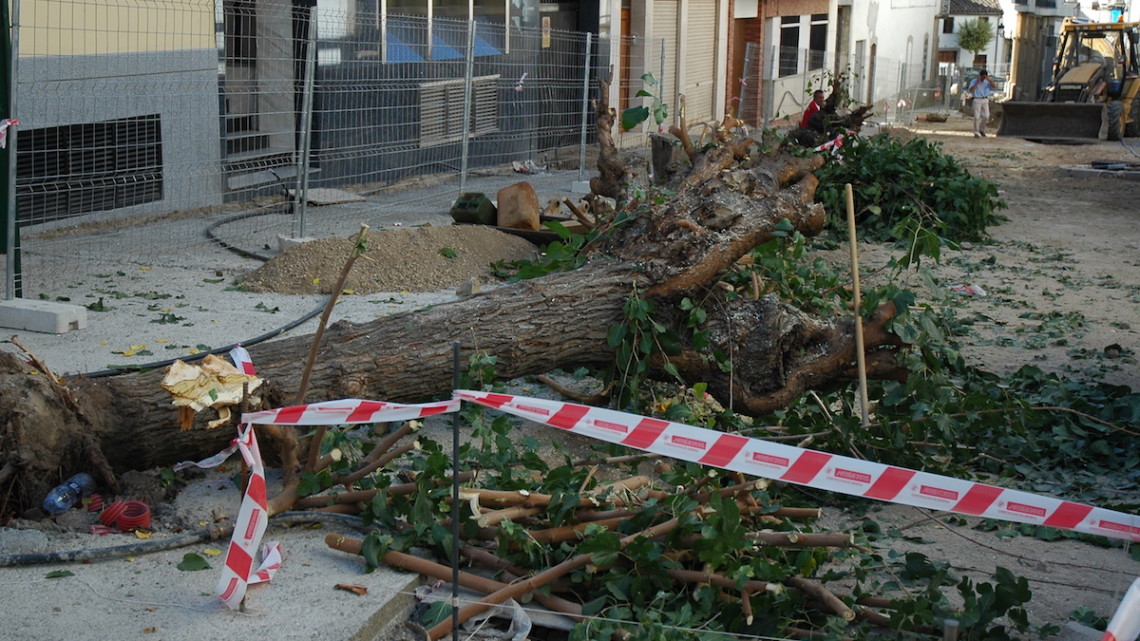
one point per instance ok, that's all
(75, 169)
(441, 109)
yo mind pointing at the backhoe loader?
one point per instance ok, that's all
(1095, 88)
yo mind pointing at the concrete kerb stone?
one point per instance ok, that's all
(1087, 171)
(47, 317)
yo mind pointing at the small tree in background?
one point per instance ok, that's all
(975, 35)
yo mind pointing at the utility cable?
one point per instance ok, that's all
(200, 355)
(218, 350)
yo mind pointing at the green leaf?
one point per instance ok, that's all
(192, 562)
(591, 608)
(605, 547)
(373, 548)
(633, 117)
(436, 612)
(58, 574)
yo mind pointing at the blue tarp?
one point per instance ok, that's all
(399, 51)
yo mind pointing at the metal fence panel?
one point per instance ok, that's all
(134, 113)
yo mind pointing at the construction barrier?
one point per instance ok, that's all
(757, 457)
(812, 468)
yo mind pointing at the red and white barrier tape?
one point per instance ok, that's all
(4, 124)
(1125, 623)
(813, 468)
(237, 569)
(253, 516)
(727, 451)
(242, 361)
(349, 411)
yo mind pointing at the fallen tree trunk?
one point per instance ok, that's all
(733, 199)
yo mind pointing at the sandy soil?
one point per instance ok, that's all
(1062, 283)
(1062, 277)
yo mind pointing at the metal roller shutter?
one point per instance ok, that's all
(699, 57)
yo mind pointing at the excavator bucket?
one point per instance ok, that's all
(1051, 120)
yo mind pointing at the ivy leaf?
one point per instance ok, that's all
(373, 548)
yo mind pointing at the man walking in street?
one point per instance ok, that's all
(982, 89)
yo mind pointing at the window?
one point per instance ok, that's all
(797, 31)
(789, 45)
(925, 54)
(948, 25)
(441, 109)
(74, 169)
(817, 41)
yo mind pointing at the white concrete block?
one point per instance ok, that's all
(580, 187)
(44, 316)
(285, 242)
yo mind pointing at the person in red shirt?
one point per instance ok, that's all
(813, 107)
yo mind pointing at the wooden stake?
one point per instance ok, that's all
(358, 246)
(860, 357)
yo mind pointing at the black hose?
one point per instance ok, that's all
(209, 533)
(228, 247)
(118, 551)
(217, 350)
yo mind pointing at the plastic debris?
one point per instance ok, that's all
(969, 290)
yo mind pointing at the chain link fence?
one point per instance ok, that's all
(142, 127)
(145, 128)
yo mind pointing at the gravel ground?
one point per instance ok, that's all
(424, 259)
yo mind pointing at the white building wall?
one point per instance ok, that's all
(892, 33)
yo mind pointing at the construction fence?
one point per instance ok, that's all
(132, 115)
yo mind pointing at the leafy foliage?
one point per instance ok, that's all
(1031, 430)
(975, 35)
(564, 254)
(908, 192)
(634, 116)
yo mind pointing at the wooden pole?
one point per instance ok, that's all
(860, 357)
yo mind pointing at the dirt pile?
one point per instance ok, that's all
(423, 259)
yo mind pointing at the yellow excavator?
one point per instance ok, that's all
(1095, 89)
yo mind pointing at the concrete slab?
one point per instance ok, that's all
(285, 242)
(328, 196)
(131, 594)
(580, 187)
(1074, 631)
(1122, 171)
(44, 316)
